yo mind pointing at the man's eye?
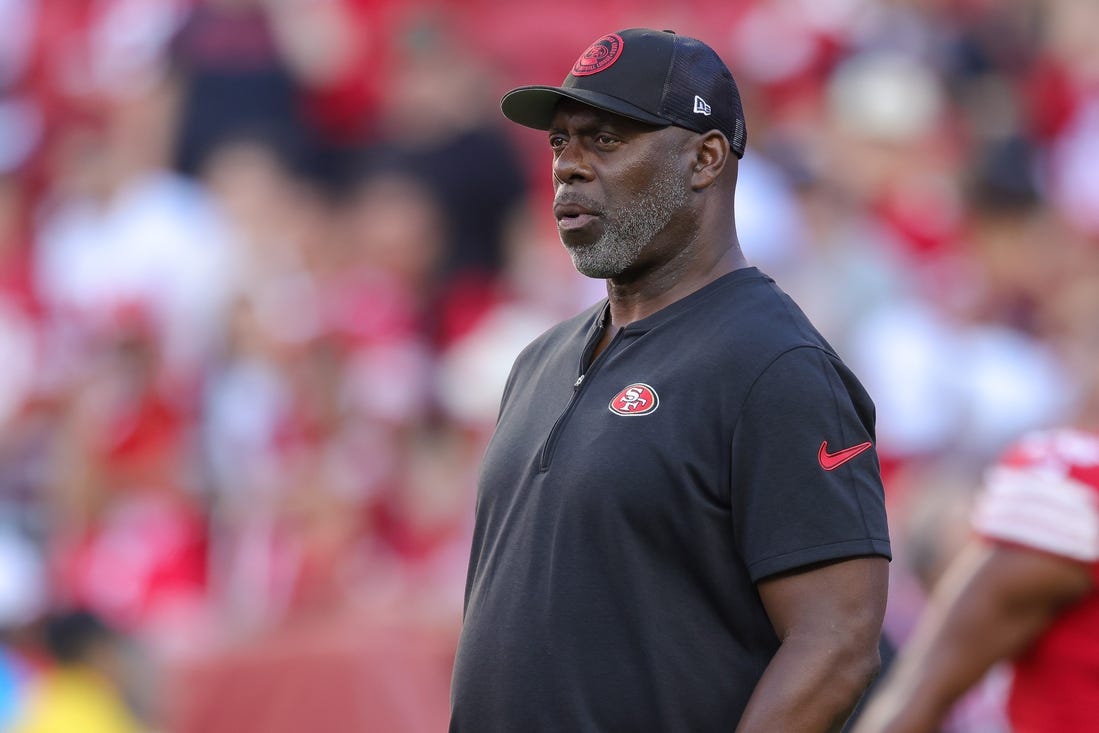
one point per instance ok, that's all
(556, 141)
(604, 139)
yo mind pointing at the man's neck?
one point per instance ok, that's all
(633, 300)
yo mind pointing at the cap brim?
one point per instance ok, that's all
(534, 106)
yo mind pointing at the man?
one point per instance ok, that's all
(1025, 589)
(680, 520)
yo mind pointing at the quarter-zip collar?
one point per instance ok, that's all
(676, 308)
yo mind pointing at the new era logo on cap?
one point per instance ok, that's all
(652, 76)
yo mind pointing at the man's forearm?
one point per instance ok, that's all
(992, 604)
(810, 686)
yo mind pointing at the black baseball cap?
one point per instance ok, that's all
(658, 77)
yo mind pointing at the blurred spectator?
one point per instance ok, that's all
(127, 534)
(120, 230)
(440, 124)
(234, 79)
(82, 688)
(304, 74)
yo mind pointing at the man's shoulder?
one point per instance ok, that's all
(753, 312)
(1043, 493)
(1063, 451)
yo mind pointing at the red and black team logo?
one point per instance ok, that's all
(599, 55)
(637, 399)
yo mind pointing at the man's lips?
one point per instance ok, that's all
(573, 216)
(576, 222)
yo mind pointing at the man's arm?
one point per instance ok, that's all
(828, 619)
(991, 605)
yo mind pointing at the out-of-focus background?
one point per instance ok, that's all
(264, 265)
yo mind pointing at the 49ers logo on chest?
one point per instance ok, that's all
(637, 399)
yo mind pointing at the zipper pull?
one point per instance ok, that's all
(578, 382)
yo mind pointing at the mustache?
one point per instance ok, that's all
(575, 199)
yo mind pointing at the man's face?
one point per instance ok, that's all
(618, 186)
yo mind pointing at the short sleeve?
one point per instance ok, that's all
(806, 484)
(1044, 494)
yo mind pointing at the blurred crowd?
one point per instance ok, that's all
(264, 265)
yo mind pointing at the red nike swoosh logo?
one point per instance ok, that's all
(832, 461)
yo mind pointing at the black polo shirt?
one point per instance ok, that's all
(626, 511)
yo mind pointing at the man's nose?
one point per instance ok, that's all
(570, 164)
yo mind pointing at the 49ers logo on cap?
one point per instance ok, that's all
(637, 399)
(599, 55)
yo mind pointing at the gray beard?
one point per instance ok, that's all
(629, 229)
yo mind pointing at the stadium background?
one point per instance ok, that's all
(264, 265)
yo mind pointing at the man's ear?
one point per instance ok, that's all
(711, 154)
